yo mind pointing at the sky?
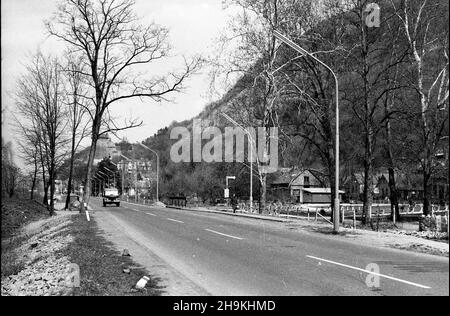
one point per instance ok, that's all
(194, 25)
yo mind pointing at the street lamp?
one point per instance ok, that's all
(157, 169)
(113, 173)
(104, 174)
(101, 180)
(251, 155)
(302, 51)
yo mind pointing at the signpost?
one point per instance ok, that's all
(251, 144)
(227, 190)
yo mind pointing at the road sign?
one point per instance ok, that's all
(227, 193)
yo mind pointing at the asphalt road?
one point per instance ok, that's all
(235, 256)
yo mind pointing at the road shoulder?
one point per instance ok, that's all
(172, 282)
(384, 239)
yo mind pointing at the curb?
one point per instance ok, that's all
(258, 217)
(149, 206)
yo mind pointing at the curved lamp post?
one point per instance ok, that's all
(113, 173)
(104, 174)
(302, 51)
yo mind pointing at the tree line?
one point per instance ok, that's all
(394, 89)
(61, 100)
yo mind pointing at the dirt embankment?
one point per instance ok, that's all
(31, 262)
(61, 255)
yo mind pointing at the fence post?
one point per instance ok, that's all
(394, 214)
(308, 213)
(316, 213)
(343, 214)
(354, 218)
(446, 219)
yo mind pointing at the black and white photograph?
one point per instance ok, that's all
(222, 155)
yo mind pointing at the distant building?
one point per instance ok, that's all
(409, 187)
(289, 183)
(106, 148)
(317, 196)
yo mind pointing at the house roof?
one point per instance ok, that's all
(287, 175)
(403, 180)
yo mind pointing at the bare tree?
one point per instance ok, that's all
(29, 152)
(112, 44)
(310, 88)
(426, 30)
(77, 113)
(40, 106)
(368, 80)
(10, 172)
(250, 49)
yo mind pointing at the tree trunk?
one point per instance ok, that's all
(368, 186)
(393, 195)
(44, 179)
(263, 193)
(12, 185)
(426, 192)
(72, 158)
(33, 184)
(392, 183)
(368, 124)
(46, 184)
(87, 188)
(52, 178)
(69, 184)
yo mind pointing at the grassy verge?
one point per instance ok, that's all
(101, 267)
(16, 213)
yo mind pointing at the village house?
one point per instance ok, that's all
(300, 186)
(409, 187)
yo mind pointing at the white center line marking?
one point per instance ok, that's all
(174, 220)
(213, 231)
(372, 273)
(151, 214)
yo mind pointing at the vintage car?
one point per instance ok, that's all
(111, 196)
